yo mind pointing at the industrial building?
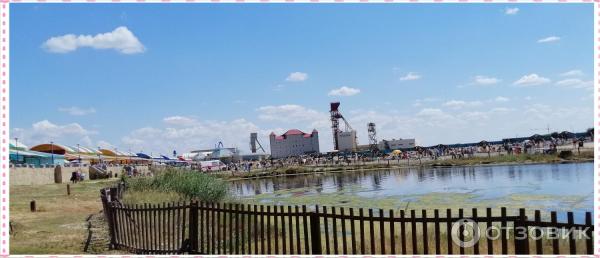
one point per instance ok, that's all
(226, 155)
(347, 141)
(293, 143)
(398, 144)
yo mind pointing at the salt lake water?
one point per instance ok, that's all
(548, 187)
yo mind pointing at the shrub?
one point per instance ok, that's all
(186, 183)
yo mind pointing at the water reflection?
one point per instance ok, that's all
(487, 182)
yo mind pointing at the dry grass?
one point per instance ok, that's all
(59, 226)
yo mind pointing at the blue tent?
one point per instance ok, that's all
(35, 157)
(143, 156)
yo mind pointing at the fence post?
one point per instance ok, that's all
(193, 227)
(315, 232)
(113, 194)
(521, 234)
(111, 224)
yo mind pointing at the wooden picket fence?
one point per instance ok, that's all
(215, 228)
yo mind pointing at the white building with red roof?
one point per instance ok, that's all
(294, 143)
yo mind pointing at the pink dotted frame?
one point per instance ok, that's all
(4, 85)
(4, 93)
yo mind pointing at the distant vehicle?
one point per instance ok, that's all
(187, 157)
(212, 165)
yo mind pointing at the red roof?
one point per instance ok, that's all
(294, 132)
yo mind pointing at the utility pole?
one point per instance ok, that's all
(78, 154)
(17, 147)
(52, 151)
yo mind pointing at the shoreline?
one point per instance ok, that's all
(357, 168)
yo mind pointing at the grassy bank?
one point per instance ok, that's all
(60, 224)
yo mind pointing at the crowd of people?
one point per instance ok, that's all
(532, 146)
(77, 176)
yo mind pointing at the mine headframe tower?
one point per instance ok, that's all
(372, 137)
(335, 123)
(253, 141)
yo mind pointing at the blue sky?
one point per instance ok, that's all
(177, 76)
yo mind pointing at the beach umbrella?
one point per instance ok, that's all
(555, 135)
(483, 143)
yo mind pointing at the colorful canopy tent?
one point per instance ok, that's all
(144, 156)
(83, 154)
(123, 157)
(87, 150)
(19, 146)
(166, 160)
(53, 148)
(20, 155)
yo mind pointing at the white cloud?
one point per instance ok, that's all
(434, 117)
(511, 11)
(77, 111)
(572, 73)
(501, 99)
(189, 134)
(411, 76)
(180, 121)
(297, 77)
(45, 131)
(290, 113)
(120, 39)
(48, 128)
(420, 102)
(501, 110)
(473, 116)
(549, 39)
(575, 84)
(531, 80)
(344, 91)
(458, 104)
(485, 80)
